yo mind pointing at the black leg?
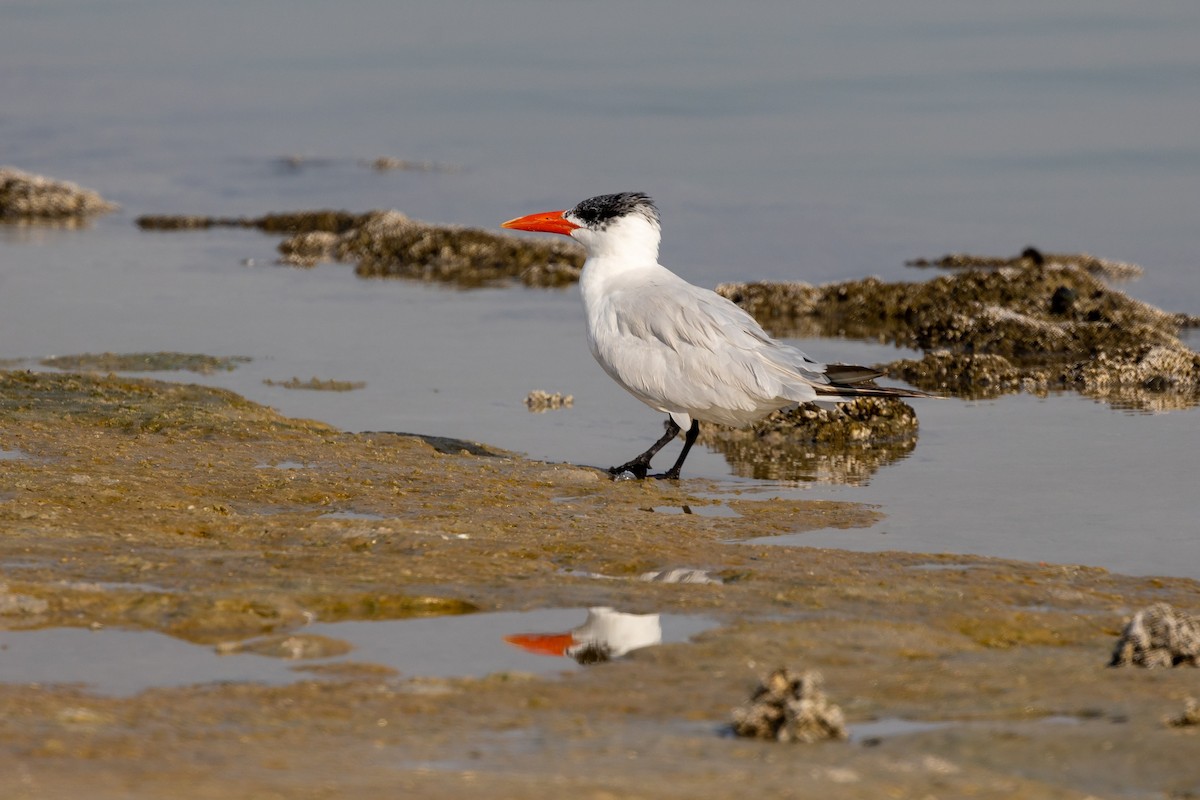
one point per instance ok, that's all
(673, 473)
(640, 465)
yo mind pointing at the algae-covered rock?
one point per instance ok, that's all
(309, 248)
(845, 444)
(135, 406)
(145, 362)
(1053, 326)
(389, 244)
(970, 375)
(25, 197)
(317, 384)
(325, 220)
(1103, 267)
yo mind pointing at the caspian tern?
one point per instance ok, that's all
(681, 349)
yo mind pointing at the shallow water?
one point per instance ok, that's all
(784, 143)
(124, 662)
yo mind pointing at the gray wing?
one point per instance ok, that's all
(677, 346)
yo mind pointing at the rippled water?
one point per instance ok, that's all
(781, 141)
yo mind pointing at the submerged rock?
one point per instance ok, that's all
(293, 646)
(390, 163)
(317, 384)
(25, 196)
(286, 222)
(1159, 636)
(845, 444)
(787, 707)
(145, 362)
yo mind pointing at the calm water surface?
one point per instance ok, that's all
(781, 142)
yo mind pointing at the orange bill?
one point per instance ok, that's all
(544, 222)
(543, 644)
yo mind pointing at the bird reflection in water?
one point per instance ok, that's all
(605, 634)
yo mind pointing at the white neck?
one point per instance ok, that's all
(631, 240)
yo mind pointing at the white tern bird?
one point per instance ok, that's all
(681, 349)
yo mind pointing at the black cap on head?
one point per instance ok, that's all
(597, 212)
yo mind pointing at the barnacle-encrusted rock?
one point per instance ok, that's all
(787, 707)
(1159, 636)
(972, 375)
(539, 401)
(25, 196)
(309, 248)
(389, 244)
(845, 444)
(1053, 326)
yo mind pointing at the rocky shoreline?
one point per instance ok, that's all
(148, 505)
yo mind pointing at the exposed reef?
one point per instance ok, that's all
(988, 332)
(146, 506)
(391, 245)
(25, 197)
(846, 444)
(1031, 256)
(1035, 322)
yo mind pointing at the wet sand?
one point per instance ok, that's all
(116, 485)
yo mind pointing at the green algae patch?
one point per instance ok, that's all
(146, 362)
(171, 484)
(1016, 629)
(130, 405)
